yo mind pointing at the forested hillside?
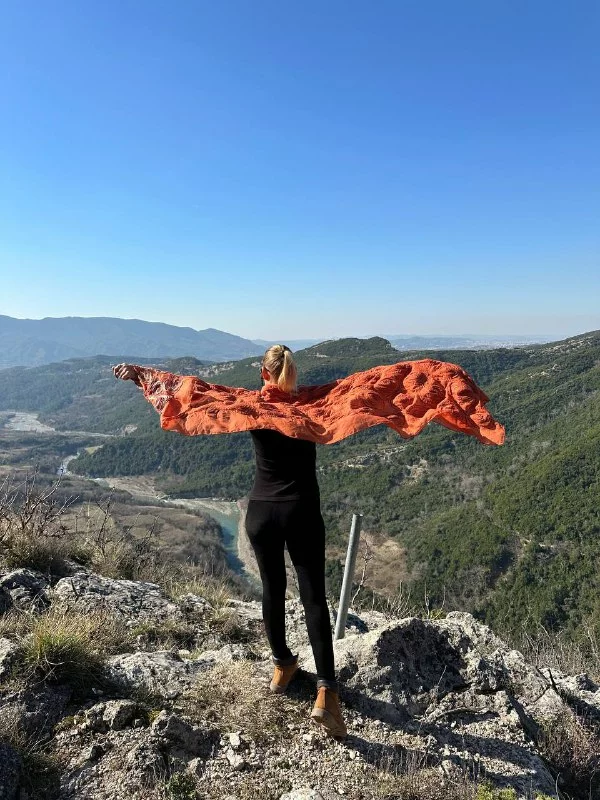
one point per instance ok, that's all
(510, 533)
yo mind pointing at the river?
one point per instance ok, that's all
(225, 512)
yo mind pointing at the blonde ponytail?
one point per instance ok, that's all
(279, 361)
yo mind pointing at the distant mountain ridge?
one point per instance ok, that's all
(35, 342)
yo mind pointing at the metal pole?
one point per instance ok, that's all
(340, 623)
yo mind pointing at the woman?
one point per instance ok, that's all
(284, 507)
(284, 510)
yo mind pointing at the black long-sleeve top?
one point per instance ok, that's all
(285, 467)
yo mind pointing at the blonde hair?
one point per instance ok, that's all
(279, 361)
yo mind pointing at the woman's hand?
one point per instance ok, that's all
(126, 372)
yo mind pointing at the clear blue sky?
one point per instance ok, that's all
(303, 169)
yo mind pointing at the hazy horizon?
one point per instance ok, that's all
(396, 334)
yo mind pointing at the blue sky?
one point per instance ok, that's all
(303, 169)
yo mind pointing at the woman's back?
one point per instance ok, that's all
(285, 467)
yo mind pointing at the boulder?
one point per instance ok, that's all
(166, 674)
(194, 605)
(37, 708)
(454, 679)
(161, 673)
(5, 600)
(580, 692)
(8, 656)
(134, 601)
(113, 715)
(27, 590)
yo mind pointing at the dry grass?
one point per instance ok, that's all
(246, 786)
(64, 645)
(428, 784)
(15, 624)
(225, 623)
(194, 580)
(166, 635)
(407, 777)
(425, 784)
(235, 696)
(572, 745)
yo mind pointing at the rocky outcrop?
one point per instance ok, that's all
(35, 709)
(447, 695)
(466, 694)
(113, 753)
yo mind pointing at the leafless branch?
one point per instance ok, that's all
(367, 557)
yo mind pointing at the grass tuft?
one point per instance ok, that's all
(68, 646)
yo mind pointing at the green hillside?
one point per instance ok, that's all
(81, 393)
(510, 533)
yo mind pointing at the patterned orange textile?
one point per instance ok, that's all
(405, 396)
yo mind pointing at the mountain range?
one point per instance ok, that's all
(34, 342)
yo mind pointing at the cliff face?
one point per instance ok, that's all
(110, 689)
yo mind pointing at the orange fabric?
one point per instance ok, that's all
(405, 396)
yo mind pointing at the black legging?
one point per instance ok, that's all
(299, 525)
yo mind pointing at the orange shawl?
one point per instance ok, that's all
(404, 396)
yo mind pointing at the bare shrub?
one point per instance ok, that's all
(33, 533)
(560, 650)
(109, 548)
(572, 745)
(400, 605)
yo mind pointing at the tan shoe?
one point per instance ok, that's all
(282, 675)
(328, 714)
